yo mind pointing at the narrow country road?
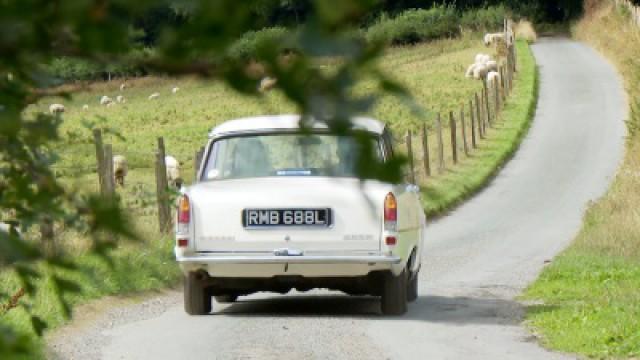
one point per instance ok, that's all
(476, 261)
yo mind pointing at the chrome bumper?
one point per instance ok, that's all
(302, 259)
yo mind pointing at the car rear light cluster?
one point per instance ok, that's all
(390, 218)
(184, 219)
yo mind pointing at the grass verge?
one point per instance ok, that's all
(135, 268)
(456, 184)
(590, 294)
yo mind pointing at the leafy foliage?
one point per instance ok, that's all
(414, 25)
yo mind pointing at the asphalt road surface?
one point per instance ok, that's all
(476, 260)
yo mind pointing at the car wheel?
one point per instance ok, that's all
(226, 299)
(197, 299)
(394, 294)
(412, 288)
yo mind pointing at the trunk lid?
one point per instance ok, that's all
(356, 209)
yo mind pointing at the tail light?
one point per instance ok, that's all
(390, 213)
(184, 217)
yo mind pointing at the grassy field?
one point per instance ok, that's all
(434, 72)
(591, 292)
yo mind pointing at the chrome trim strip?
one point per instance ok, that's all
(305, 259)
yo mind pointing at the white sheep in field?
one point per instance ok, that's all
(119, 169)
(493, 78)
(173, 172)
(469, 72)
(121, 99)
(267, 83)
(56, 108)
(175, 90)
(123, 86)
(493, 38)
(154, 96)
(492, 65)
(110, 104)
(105, 100)
(480, 71)
(85, 107)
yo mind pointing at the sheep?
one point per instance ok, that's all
(121, 99)
(105, 100)
(56, 108)
(154, 96)
(110, 104)
(173, 172)
(123, 86)
(493, 38)
(119, 169)
(175, 90)
(480, 71)
(493, 78)
(267, 83)
(85, 107)
(492, 65)
(469, 72)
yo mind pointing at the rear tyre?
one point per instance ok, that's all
(197, 300)
(394, 294)
(226, 299)
(412, 288)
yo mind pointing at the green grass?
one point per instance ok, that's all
(434, 73)
(590, 294)
(136, 268)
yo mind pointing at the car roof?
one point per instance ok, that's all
(286, 122)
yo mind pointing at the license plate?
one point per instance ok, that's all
(286, 217)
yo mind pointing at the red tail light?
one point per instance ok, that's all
(390, 212)
(184, 210)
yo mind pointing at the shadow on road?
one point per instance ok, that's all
(436, 309)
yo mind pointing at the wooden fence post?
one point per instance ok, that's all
(496, 97)
(412, 173)
(197, 160)
(454, 145)
(464, 131)
(440, 144)
(47, 236)
(164, 211)
(97, 140)
(425, 151)
(502, 85)
(109, 180)
(479, 117)
(473, 124)
(485, 96)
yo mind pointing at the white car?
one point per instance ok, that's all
(274, 209)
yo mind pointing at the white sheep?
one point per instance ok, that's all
(267, 83)
(105, 100)
(121, 99)
(56, 108)
(492, 65)
(480, 71)
(123, 86)
(173, 172)
(154, 96)
(493, 78)
(493, 38)
(119, 169)
(85, 107)
(175, 90)
(469, 72)
(110, 104)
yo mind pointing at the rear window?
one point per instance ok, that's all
(284, 155)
